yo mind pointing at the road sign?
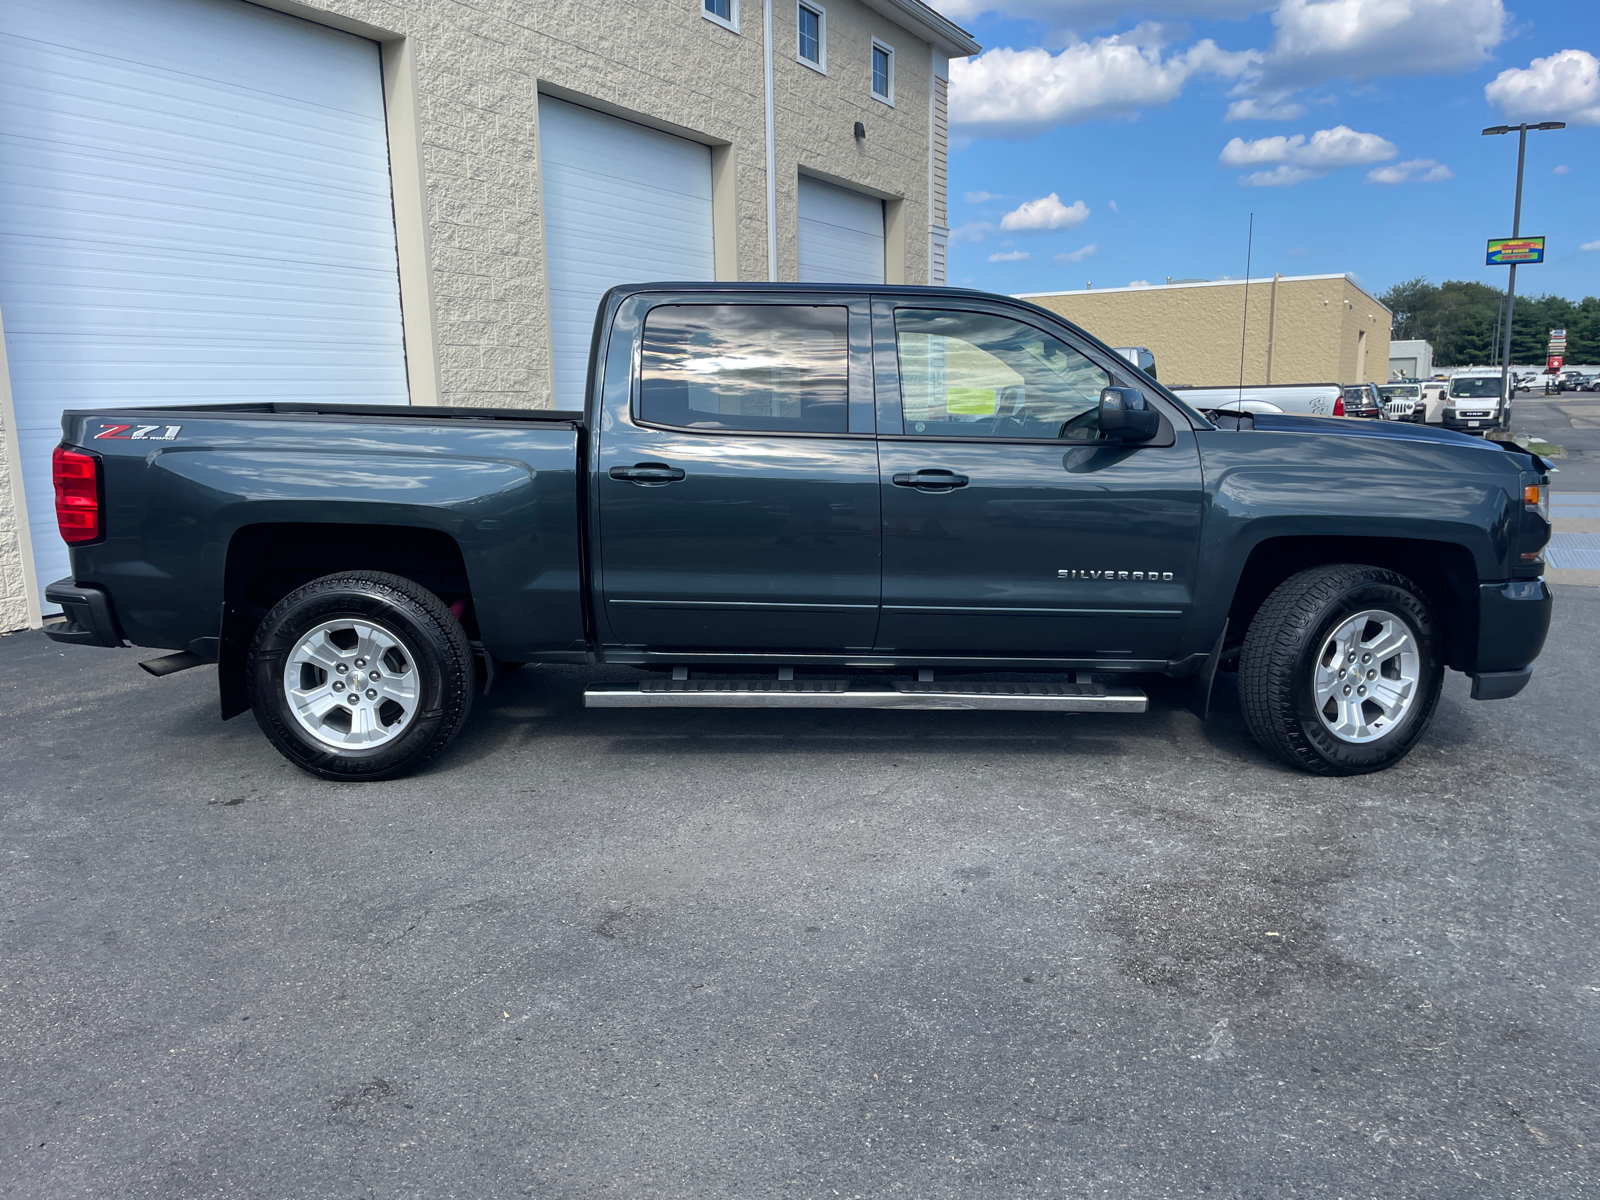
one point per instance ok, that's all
(1505, 252)
(1554, 364)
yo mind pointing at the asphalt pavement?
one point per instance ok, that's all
(1572, 421)
(767, 954)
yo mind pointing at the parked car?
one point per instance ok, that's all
(1472, 404)
(1572, 381)
(808, 496)
(1403, 402)
(1363, 400)
(1139, 357)
(1433, 397)
(1308, 399)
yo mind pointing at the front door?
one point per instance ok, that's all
(738, 508)
(1010, 529)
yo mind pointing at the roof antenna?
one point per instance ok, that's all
(1249, 247)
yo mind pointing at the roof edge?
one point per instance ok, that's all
(921, 19)
(1163, 287)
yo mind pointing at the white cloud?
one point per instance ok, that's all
(1319, 40)
(1253, 109)
(1077, 255)
(1563, 169)
(1112, 205)
(1010, 256)
(1045, 214)
(1138, 283)
(1284, 176)
(1416, 170)
(972, 231)
(1590, 246)
(1564, 85)
(1021, 93)
(1301, 159)
(980, 197)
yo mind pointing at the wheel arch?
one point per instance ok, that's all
(1444, 571)
(267, 561)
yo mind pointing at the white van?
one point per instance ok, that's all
(1472, 404)
(1306, 399)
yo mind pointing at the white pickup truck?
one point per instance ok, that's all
(1305, 399)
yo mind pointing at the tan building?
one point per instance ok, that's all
(1299, 328)
(421, 201)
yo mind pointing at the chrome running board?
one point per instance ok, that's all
(842, 693)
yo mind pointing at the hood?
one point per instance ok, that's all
(1402, 431)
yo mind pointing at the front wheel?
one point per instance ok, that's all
(363, 676)
(1340, 671)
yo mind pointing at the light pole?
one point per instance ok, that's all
(1516, 231)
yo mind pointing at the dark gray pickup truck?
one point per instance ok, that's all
(809, 497)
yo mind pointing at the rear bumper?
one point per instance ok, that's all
(1513, 620)
(91, 621)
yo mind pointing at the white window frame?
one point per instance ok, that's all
(888, 50)
(733, 15)
(821, 65)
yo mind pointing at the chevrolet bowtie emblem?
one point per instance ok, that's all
(1120, 576)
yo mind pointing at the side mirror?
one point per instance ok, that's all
(1126, 416)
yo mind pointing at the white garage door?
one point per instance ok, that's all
(194, 208)
(841, 234)
(622, 204)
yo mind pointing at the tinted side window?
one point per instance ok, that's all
(781, 368)
(969, 374)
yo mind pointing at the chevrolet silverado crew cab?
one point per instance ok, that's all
(809, 496)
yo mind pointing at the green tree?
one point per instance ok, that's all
(1458, 317)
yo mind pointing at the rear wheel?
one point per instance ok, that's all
(1340, 673)
(363, 676)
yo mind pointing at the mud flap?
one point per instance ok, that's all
(1200, 685)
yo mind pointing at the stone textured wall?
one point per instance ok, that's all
(816, 118)
(1197, 333)
(13, 596)
(480, 67)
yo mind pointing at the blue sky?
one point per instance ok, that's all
(1358, 146)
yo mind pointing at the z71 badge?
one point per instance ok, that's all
(139, 433)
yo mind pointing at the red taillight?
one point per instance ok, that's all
(1338, 407)
(77, 477)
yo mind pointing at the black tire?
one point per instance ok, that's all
(432, 645)
(1278, 663)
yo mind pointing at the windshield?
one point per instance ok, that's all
(1405, 392)
(1481, 387)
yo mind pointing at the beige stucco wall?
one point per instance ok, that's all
(1300, 330)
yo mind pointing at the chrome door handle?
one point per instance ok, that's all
(648, 473)
(931, 480)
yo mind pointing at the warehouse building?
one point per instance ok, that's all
(209, 201)
(1295, 328)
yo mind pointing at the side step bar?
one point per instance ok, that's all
(842, 693)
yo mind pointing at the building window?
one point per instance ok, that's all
(882, 71)
(812, 23)
(723, 12)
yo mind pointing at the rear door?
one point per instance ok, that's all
(737, 486)
(1010, 530)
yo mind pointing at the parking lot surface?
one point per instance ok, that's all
(751, 954)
